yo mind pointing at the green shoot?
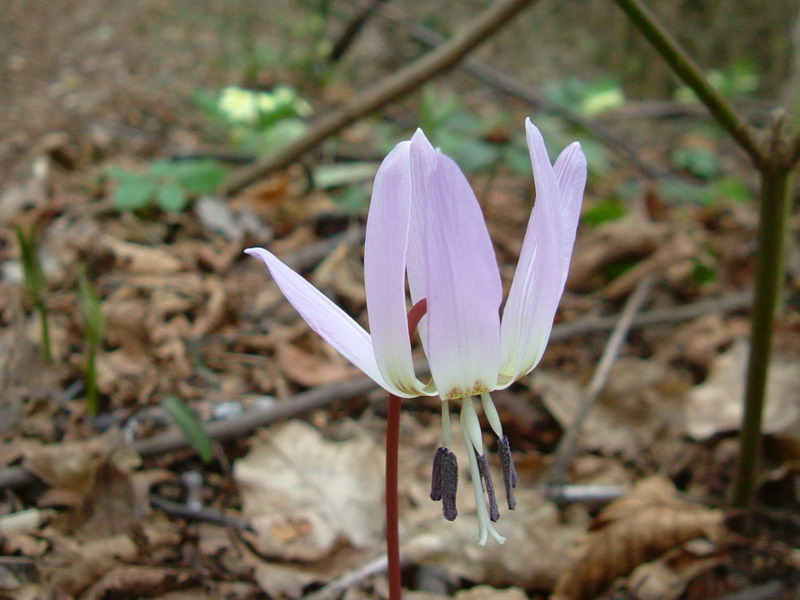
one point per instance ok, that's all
(190, 425)
(35, 283)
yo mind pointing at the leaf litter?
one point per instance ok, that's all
(188, 315)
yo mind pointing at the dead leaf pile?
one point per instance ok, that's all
(635, 529)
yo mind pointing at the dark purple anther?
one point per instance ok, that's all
(483, 468)
(436, 475)
(449, 485)
(509, 472)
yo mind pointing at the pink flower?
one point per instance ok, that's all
(425, 224)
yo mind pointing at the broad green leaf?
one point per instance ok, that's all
(134, 192)
(190, 426)
(609, 209)
(200, 176)
(171, 198)
(163, 168)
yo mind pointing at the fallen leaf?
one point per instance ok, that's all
(282, 581)
(716, 405)
(303, 493)
(95, 478)
(642, 402)
(311, 370)
(535, 553)
(638, 527)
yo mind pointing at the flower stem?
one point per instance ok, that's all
(775, 201)
(392, 444)
(392, 517)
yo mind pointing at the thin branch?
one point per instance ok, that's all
(690, 73)
(352, 30)
(656, 317)
(385, 91)
(569, 442)
(508, 85)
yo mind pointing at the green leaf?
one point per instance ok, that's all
(200, 176)
(171, 198)
(133, 192)
(163, 169)
(697, 161)
(609, 209)
(190, 426)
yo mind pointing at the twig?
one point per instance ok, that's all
(348, 580)
(569, 442)
(190, 513)
(352, 30)
(173, 441)
(565, 494)
(15, 477)
(687, 70)
(660, 316)
(385, 91)
(508, 85)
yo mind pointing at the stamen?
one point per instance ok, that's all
(447, 428)
(509, 472)
(483, 467)
(471, 425)
(444, 482)
(491, 415)
(436, 474)
(469, 420)
(449, 486)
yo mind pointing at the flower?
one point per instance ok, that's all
(425, 224)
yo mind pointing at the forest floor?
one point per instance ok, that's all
(119, 504)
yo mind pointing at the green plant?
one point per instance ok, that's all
(94, 326)
(35, 283)
(170, 185)
(256, 121)
(190, 425)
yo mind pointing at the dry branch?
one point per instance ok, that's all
(382, 93)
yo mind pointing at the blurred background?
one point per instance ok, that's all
(136, 460)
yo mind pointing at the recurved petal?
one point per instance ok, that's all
(463, 287)
(571, 171)
(385, 270)
(328, 320)
(423, 158)
(541, 272)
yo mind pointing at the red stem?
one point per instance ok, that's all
(392, 516)
(392, 445)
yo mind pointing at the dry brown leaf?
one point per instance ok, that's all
(95, 478)
(638, 527)
(137, 258)
(72, 567)
(535, 553)
(631, 237)
(283, 581)
(138, 581)
(303, 493)
(716, 405)
(642, 402)
(311, 370)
